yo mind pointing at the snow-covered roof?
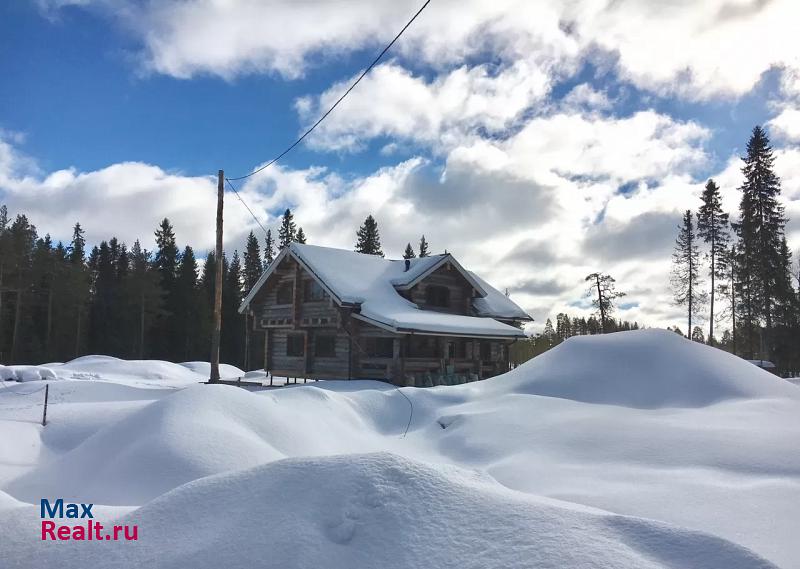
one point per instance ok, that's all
(371, 283)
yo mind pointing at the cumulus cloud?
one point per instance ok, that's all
(693, 49)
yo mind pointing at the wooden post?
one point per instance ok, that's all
(44, 413)
(215, 331)
(247, 340)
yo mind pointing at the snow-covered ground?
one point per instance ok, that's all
(637, 449)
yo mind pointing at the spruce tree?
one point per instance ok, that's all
(77, 251)
(145, 298)
(301, 236)
(269, 249)
(233, 331)
(288, 230)
(409, 252)
(423, 247)
(252, 262)
(760, 230)
(685, 278)
(165, 262)
(369, 239)
(712, 227)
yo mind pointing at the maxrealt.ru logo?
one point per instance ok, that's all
(92, 530)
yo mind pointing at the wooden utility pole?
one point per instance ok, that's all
(215, 332)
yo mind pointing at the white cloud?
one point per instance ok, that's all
(786, 124)
(693, 49)
(392, 102)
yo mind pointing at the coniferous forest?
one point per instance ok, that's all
(60, 301)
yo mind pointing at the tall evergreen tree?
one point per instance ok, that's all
(145, 299)
(165, 262)
(369, 239)
(423, 247)
(685, 278)
(288, 231)
(712, 227)
(233, 323)
(77, 252)
(760, 230)
(269, 249)
(409, 252)
(301, 236)
(252, 263)
(602, 290)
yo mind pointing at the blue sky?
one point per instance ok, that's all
(535, 141)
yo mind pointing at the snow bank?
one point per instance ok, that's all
(645, 369)
(195, 432)
(379, 510)
(226, 371)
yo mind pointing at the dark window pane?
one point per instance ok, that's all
(423, 347)
(313, 291)
(325, 346)
(379, 347)
(284, 295)
(437, 296)
(295, 345)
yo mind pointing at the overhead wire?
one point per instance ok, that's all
(339, 100)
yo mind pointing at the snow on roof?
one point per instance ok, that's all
(369, 281)
(495, 304)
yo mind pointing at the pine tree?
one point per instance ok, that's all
(603, 292)
(269, 249)
(409, 252)
(697, 335)
(301, 236)
(548, 333)
(288, 231)
(369, 239)
(423, 247)
(685, 278)
(252, 263)
(712, 227)
(760, 230)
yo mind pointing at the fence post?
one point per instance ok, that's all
(44, 413)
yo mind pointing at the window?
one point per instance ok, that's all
(379, 347)
(284, 295)
(325, 346)
(313, 291)
(486, 351)
(295, 345)
(422, 347)
(437, 296)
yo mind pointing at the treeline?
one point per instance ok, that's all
(59, 301)
(741, 271)
(565, 327)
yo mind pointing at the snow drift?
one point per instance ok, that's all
(380, 510)
(645, 369)
(566, 461)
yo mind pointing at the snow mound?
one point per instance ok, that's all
(226, 371)
(115, 369)
(645, 369)
(192, 433)
(23, 373)
(380, 510)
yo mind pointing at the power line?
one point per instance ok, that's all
(247, 206)
(339, 100)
